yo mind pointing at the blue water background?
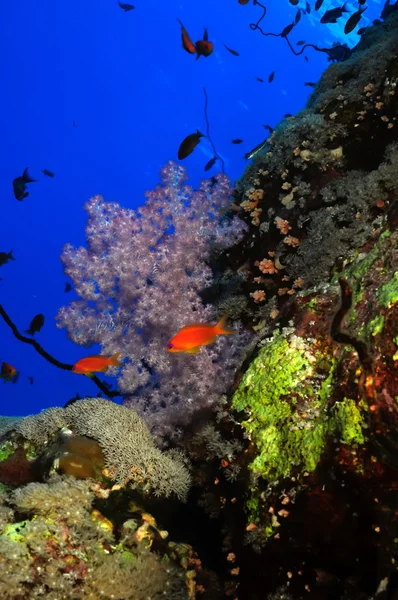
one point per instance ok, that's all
(134, 94)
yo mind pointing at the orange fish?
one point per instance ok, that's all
(201, 48)
(95, 364)
(187, 43)
(191, 337)
(8, 373)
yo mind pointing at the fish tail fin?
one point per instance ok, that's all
(29, 331)
(26, 177)
(114, 360)
(199, 134)
(221, 326)
(10, 256)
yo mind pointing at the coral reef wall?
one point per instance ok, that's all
(327, 178)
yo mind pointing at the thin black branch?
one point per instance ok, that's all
(208, 133)
(331, 52)
(56, 363)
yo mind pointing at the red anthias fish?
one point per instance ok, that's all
(95, 364)
(191, 337)
(201, 48)
(8, 373)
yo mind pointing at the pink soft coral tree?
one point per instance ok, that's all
(139, 280)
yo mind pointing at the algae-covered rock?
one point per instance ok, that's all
(285, 394)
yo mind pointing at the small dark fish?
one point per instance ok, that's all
(307, 8)
(271, 77)
(234, 52)
(339, 52)
(300, 43)
(237, 141)
(189, 144)
(204, 47)
(354, 20)
(306, 58)
(125, 7)
(294, 2)
(72, 400)
(388, 8)
(362, 2)
(253, 152)
(260, 80)
(361, 31)
(298, 16)
(211, 163)
(48, 173)
(318, 4)
(287, 30)
(287, 115)
(333, 14)
(8, 373)
(36, 324)
(5, 257)
(30, 379)
(310, 84)
(74, 124)
(270, 129)
(68, 287)
(19, 185)
(243, 1)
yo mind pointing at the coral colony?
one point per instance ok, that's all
(263, 466)
(139, 279)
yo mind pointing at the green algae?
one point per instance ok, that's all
(6, 450)
(286, 375)
(14, 532)
(376, 325)
(349, 421)
(253, 506)
(388, 294)
(360, 266)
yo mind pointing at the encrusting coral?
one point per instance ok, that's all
(130, 456)
(54, 544)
